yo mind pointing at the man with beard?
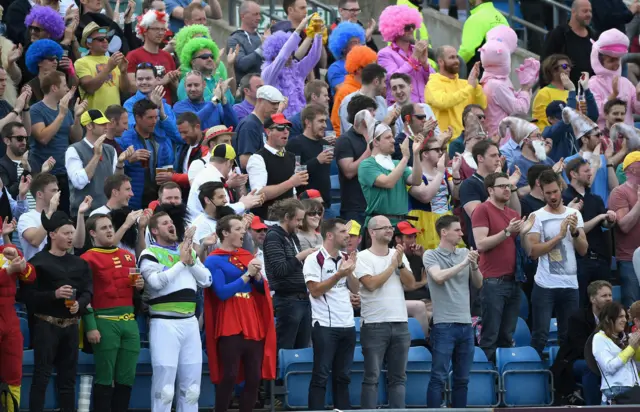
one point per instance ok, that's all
(170, 201)
(555, 238)
(213, 198)
(416, 122)
(118, 123)
(615, 111)
(596, 264)
(400, 85)
(210, 113)
(172, 274)
(373, 86)
(126, 222)
(110, 323)
(15, 169)
(590, 139)
(193, 149)
(448, 95)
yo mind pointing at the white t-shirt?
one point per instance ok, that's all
(196, 167)
(558, 268)
(385, 304)
(105, 211)
(208, 174)
(205, 226)
(333, 309)
(31, 219)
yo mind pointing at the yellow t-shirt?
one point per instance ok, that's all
(109, 92)
(545, 96)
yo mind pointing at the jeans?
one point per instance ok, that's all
(500, 310)
(451, 344)
(614, 391)
(293, 323)
(590, 382)
(590, 270)
(332, 353)
(629, 282)
(564, 301)
(380, 341)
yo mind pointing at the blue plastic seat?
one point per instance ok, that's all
(26, 336)
(207, 398)
(525, 381)
(416, 332)
(617, 293)
(51, 395)
(357, 322)
(484, 382)
(418, 376)
(297, 366)
(553, 354)
(503, 5)
(522, 335)
(524, 305)
(357, 376)
(333, 211)
(552, 340)
(333, 171)
(141, 393)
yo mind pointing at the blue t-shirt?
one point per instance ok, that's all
(175, 24)
(524, 164)
(250, 136)
(600, 184)
(57, 146)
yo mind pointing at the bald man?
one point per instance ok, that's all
(249, 57)
(573, 39)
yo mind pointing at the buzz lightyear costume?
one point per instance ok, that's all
(174, 334)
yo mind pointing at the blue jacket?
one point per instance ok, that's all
(161, 155)
(210, 114)
(336, 75)
(166, 131)
(564, 141)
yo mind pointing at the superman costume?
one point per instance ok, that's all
(11, 341)
(240, 331)
(111, 313)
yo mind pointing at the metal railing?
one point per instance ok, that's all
(559, 9)
(316, 5)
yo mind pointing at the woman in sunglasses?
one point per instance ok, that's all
(308, 234)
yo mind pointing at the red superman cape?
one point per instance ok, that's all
(213, 321)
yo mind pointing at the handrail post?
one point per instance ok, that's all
(511, 12)
(556, 16)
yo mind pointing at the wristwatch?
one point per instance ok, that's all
(577, 233)
(401, 266)
(507, 233)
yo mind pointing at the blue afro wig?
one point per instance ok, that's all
(341, 35)
(273, 44)
(50, 20)
(38, 50)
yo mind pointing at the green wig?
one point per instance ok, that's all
(189, 32)
(195, 45)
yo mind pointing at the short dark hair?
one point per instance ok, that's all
(548, 177)
(468, 108)
(149, 66)
(314, 87)
(342, 3)
(595, 286)
(372, 72)
(207, 190)
(407, 110)
(490, 179)
(401, 76)
(286, 4)
(153, 221)
(481, 148)
(40, 181)
(245, 82)
(284, 208)
(310, 112)
(188, 11)
(7, 129)
(55, 78)
(114, 112)
(534, 173)
(444, 222)
(357, 103)
(93, 220)
(189, 117)
(168, 186)
(114, 182)
(141, 107)
(224, 225)
(330, 224)
(615, 102)
(574, 166)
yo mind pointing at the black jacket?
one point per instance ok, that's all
(283, 269)
(9, 175)
(13, 18)
(610, 14)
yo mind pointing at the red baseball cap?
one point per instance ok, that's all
(407, 228)
(310, 194)
(277, 118)
(256, 223)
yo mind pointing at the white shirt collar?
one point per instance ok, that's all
(271, 149)
(385, 161)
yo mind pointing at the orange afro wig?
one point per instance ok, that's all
(358, 57)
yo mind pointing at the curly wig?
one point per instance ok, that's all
(358, 57)
(189, 32)
(273, 44)
(193, 46)
(341, 35)
(50, 20)
(150, 17)
(394, 18)
(38, 50)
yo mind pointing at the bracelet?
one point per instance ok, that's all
(16, 113)
(474, 268)
(119, 167)
(610, 165)
(577, 233)
(26, 109)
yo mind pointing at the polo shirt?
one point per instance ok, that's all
(333, 309)
(472, 189)
(592, 206)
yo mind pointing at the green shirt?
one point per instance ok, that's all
(393, 201)
(622, 177)
(483, 18)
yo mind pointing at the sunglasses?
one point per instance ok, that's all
(313, 214)
(51, 58)
(420, 116)
(35, 29)
(20, 139)
(259, 230)
(410, 27)
(281, 127)
(563, 66)
(100, 39)
(204, 56)
(434, 149)
(352, 10)
(145, 65)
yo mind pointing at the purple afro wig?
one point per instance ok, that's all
(274, 43)
(50, 20)
(394, 18)
(341, 35)
(38, 50)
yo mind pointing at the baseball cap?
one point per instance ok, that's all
(257, 224)
(93, 116)
(355, 228)
(224, 151)
(277, 118)
(406, 228)
(310, 194)
(554, 109)
(269, 93)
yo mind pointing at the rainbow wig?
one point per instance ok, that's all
(358, 57)
(341, 35)
(38, 50)
(187, 33)
(273, 44)
(50, 20)
(394, 18)
(193, 46)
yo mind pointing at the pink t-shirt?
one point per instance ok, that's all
(623, 197)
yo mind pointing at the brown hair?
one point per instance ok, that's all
(93, 220)
(314, 87)
(54, 78)
(114, 182)
(153, 221)
(310, 206)
(608, 317)
(168, 186)
(549, 65)
(188, 11)
(310, 112)
(40, 181)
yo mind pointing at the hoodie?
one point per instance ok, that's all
(283, 269)
(612, 42)
(249, 59)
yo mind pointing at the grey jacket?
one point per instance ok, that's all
(249, 57)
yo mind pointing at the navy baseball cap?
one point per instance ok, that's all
(554, 109)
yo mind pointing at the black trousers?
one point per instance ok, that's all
(65, 194)
(54, 346)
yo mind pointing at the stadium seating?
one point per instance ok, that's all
(24, 328)
(522, 335)
(416, 332)
(617, 293)
(207, 388)
(418, 376)
(357, 376)
(296, 368)
(553, 354)
(553, 332)
(524, 305)
(357, 322)
(51, 396)
(141, 393)
(524, 379)
(484, 382)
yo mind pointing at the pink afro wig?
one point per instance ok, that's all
(394, 18)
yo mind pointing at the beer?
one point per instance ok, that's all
(134, 274)
(70, 301)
